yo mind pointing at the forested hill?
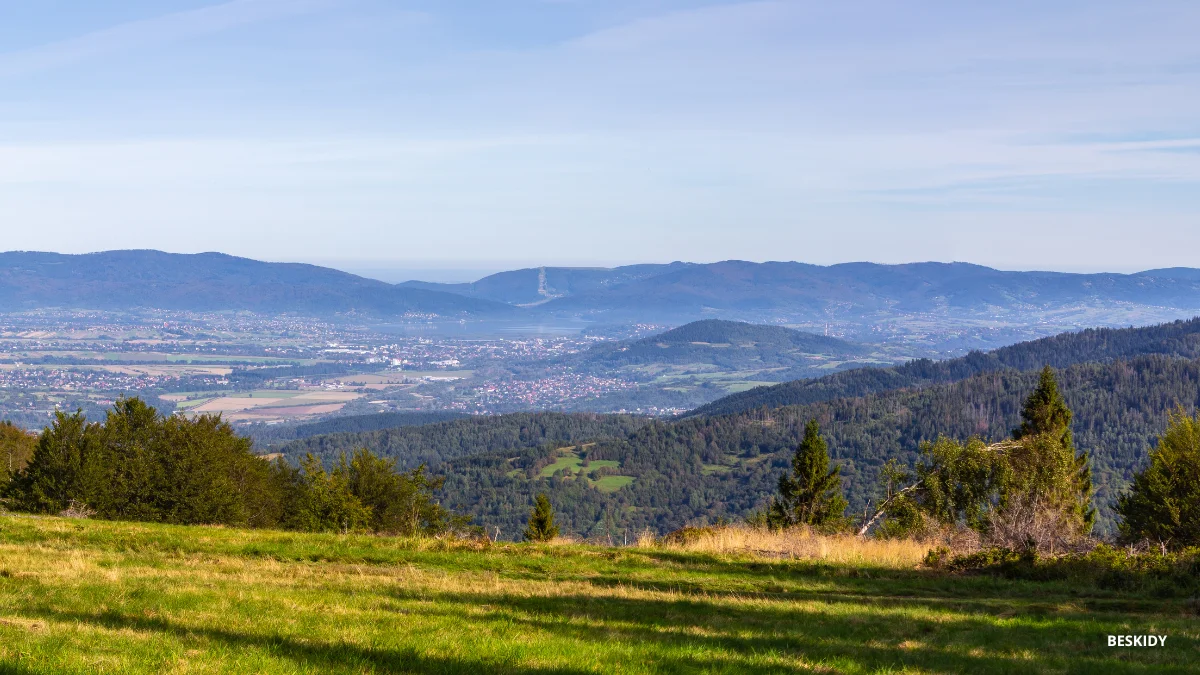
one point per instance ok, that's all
(720, 332)
(1179, 338)
(731, 344)
(373, 422)
(432, 444)
(668, 474)
(124, 280)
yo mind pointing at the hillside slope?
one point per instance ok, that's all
(1179, 338)
(124, 280)
(703, 468)
(433, 444)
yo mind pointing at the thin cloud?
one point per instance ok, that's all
(165, 29)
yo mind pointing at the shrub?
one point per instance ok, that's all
(1153, 572)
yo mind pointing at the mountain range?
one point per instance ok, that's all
(853, 293)
(125, 280)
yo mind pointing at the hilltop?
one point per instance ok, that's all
(727, 351)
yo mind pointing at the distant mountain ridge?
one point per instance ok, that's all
(856, 292)
(852, 294)
(124, 280)
(535, 285)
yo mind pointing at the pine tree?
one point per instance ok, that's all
(1163, 503)
(1046, 423)
(541, 521)
(811, 495)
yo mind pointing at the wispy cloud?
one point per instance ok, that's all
(159, 30)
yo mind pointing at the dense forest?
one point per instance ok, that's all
(702, 469)
(433, 444)
(1180, 338)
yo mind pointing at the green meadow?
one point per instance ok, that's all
(80, 596)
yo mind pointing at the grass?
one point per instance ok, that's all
(802, 544)
(85, 596)
(572, 462)
(612, 483)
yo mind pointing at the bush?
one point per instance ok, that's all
(1153, 572)
(688, 535)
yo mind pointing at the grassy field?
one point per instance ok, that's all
(86, 596)
(571, 461)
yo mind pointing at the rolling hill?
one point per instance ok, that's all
(727, 345)
(125, 280)
(1179, 338)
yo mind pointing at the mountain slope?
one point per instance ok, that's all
(123, 280)
(435, 443)
(1179, 338)
(696, 470)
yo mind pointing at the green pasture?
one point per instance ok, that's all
(102, 597)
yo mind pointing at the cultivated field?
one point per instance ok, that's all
(84, 596)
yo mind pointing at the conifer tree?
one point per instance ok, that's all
(1046, 425)
(1163, 504)
(541, 521)
(811, 495)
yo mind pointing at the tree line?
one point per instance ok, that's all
(138, 464)
(1032, 491)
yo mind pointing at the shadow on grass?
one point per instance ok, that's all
(14, 669)
(859, 640)
(325, 657)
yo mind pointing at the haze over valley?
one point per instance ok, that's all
(273, 345)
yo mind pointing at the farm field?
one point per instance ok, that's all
(87, 596)
(267, 404)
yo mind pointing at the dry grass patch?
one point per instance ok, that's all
(796, 544)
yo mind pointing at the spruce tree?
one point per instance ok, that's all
(541, 521)
(1163, 503)
(811, 495)
(1046, 426)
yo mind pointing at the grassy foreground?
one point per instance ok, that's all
(87, 596)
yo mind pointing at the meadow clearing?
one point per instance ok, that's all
(89, 596)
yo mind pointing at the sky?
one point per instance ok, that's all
(475, 136)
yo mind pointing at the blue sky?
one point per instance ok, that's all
(480, 135)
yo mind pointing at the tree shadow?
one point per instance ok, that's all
(326, 657)
(871, 642)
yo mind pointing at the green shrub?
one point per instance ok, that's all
(1156, 573)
